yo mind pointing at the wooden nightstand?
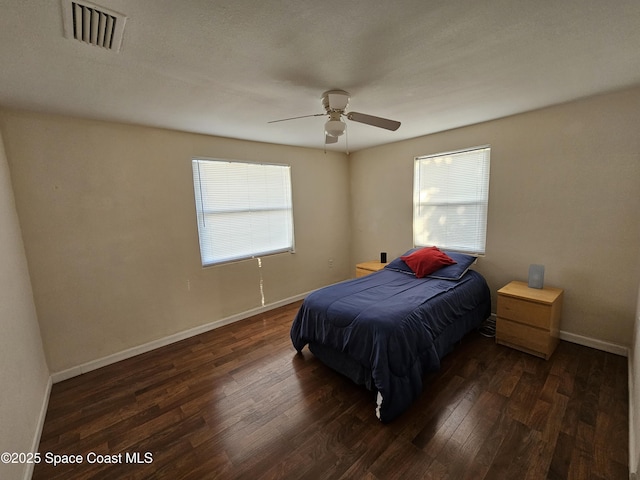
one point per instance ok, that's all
(529, 318)
(365, 268)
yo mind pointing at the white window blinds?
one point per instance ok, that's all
(451, 193)
(243, 209)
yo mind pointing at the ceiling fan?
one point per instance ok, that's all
(335, 102)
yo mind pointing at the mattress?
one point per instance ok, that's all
(388, 329)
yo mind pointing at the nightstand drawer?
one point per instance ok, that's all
(529, 339)
(365, 268)
(361, 272)
(523, 311)
(529, 318)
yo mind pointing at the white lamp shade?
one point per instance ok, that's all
(334, 128)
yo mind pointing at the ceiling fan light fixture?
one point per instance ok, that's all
(334, 128)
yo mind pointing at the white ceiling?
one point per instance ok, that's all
(227, 67)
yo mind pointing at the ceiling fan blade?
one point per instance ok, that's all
(295, 118)
(375, 121)
(329, 139)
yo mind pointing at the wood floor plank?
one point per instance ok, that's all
(239, 402)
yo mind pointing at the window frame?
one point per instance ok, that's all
(202, 212)
(478, 245)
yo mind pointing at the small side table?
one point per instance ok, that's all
(528, 319)
(365, 268)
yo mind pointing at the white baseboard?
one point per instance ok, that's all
(161, 342)
(594, 343)
(633, 461)
(36, 439)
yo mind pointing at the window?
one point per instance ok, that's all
(244, 210)
(450, 198)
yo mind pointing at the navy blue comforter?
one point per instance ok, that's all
(395, 326)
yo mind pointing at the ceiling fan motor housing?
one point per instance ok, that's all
(335, 100)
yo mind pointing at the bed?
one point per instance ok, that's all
(388, 329)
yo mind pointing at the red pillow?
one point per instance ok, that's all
(427, 260)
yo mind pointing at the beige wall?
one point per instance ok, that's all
(109, 228)
(564, 192)
(108, 220)
(24, 375)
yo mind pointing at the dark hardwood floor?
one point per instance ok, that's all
(239, 403)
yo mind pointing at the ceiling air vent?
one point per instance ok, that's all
(93, 24)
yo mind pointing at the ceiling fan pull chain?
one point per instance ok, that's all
(346, 138)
